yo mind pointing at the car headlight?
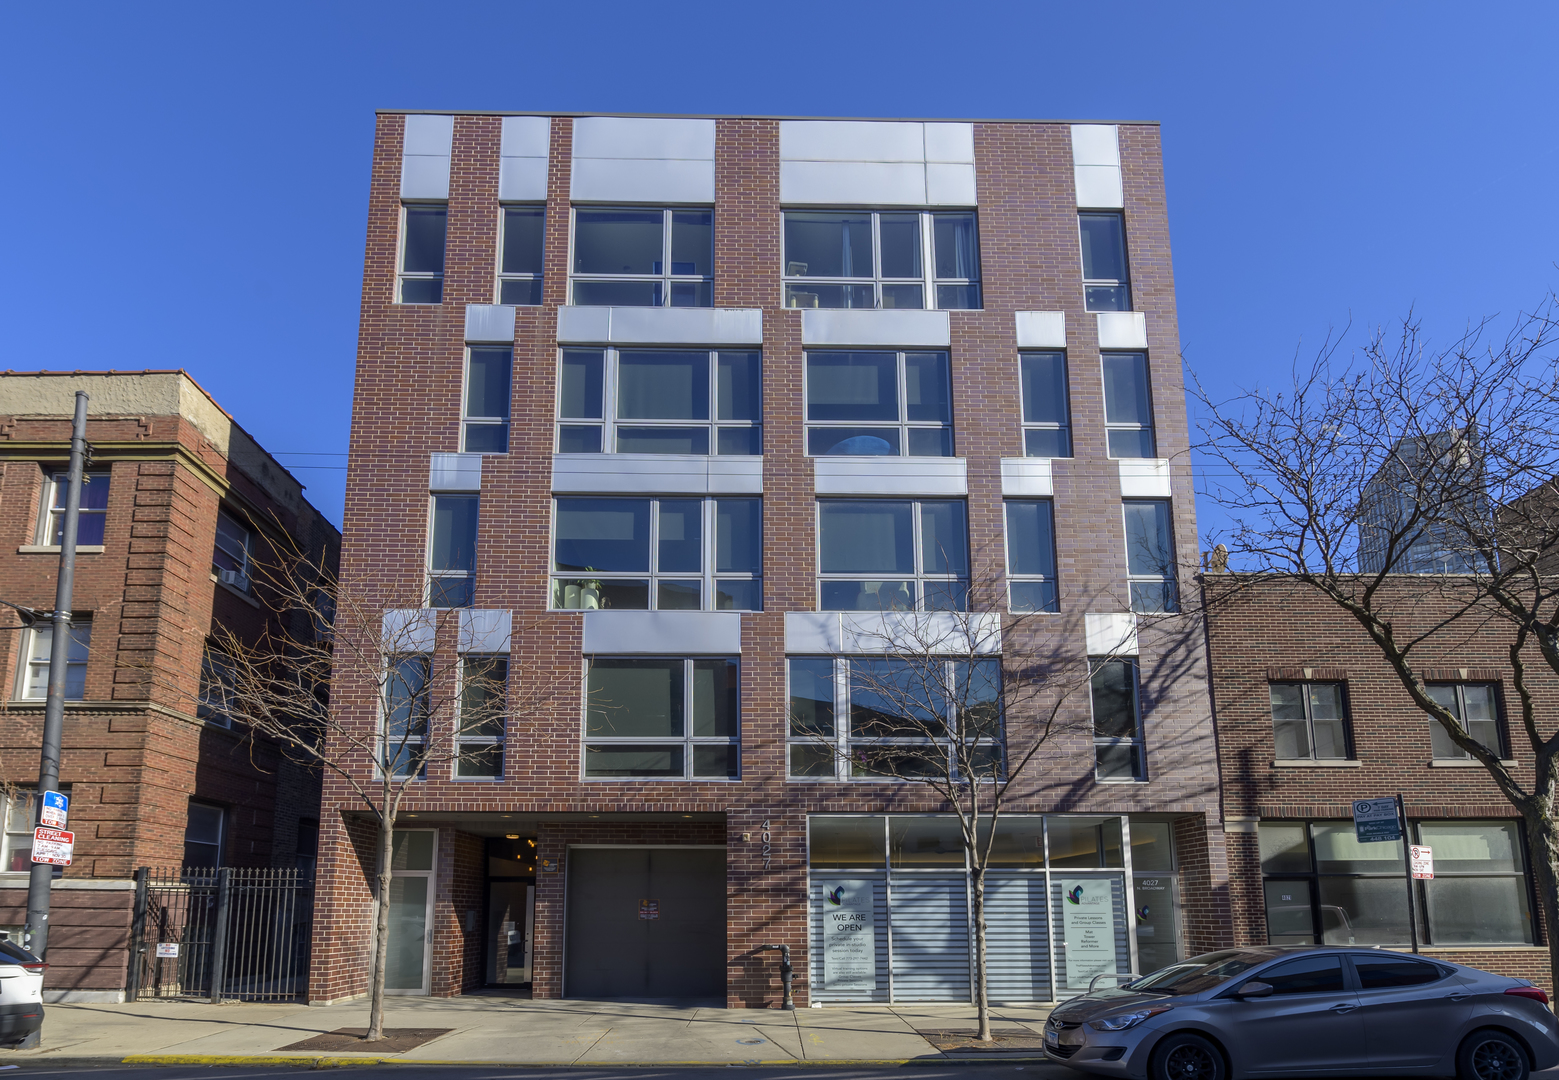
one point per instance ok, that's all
(1122, 1021)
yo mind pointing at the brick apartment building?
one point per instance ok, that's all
(1311, 717)
(697, 409)
(178, 501)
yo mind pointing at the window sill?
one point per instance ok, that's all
(54, 549)
(1317, 763)
(245, 597)
(1464, 763)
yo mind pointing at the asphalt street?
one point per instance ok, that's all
(993, 1071)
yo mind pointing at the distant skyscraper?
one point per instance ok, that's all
(1437, 478)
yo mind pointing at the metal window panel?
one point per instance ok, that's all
(428, 135)
(675, 633)
(424, 177)
(1099, 186)
(526, 137)
(864, 632)
(490, 323)
(1143, 477)
(860, 140)
(1122, 329)
(1096, 144)
(1027, 477)
(891, 476)
(638, 137)
(407, 630)
(852, 183)
(659, 326)
(1111, 633)
(485, 630)
(900, 328)
(454, 472)
(664, 474)
(522, 179)
(950, 184)
(643, 180)
(1040, 329)
(950, 142)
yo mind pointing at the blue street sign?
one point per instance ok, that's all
(1375, 820)
(55, 810)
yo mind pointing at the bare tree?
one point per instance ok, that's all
(1414, 488)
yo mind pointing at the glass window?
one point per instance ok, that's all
(20, 814)
(452, 552)
(643, 257)
(1152, 846)
(845, 843)
(663, 554)
(881, 259)
(423, 227)
(520, 262)
(1284, 847)
(483, 711)
(406, 710)
(925, 842)
(1117, 721)
(35, 668)
(1306, 975)
(1150, 555)
(1031, 555)
(879, 404)
(1019, 842)
(1479, 894)
(203, 836)
(663, 719)
(1381, 972)
(1047, 421)
(1308, 721)
(215, 705)
(230, 553)
(91, 516)
(1105, 276)
(892, 555)
(1082, 843)
(1128, 409)
(485, 429)
(1473, 705)
(660, 401)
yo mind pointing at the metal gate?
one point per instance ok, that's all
(231, 933)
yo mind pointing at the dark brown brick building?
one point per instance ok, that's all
(687, 417)
(179, 502)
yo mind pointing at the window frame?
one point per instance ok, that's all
(463, 740)
(221, 844)
(500, 277)
(707, 576)
(608, 422)
(1498, 721)
(1151, 427)
(928, 281)
(902, 425)
(56, 484)
(1309, 718)
(244, 557)
(402, 275)
(1125, 283)
(28, 658)
(415, 746)
(687, 740)
(467, 419)
(1065, 426)
(919, 578)
(1137, 740)
(437, 574)
(1170, 579)
(1016, 578)
(666, 280)
(16, 830)
(214, 665)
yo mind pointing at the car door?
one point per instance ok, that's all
(1309, 1024)
(1412, 1010)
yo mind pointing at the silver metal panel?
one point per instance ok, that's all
(955, 633)
(1017, 940)
(428, 135)
(950, 142)
(643, 137)
(852, 183)
(584, 325)
(671, 633)
(930, 937)
(522, 179)
(1112, 633)
(890, 476)
(821, 883)
(408, 630)
(454, 472)
(736, 476)
(1095, 144)
(686, 326)
(485, 630)
(425, 177)
(648, 180)
(853, 140)
(1144, 478)
(812, 632)
(1099, 186)
(1027, 477)
(950, 185)
(662, 474)
(904, 328)
(490, 322)
(526, 136)
(1123, 329)
(1041, 329)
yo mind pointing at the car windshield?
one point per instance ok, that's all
(1198, 973)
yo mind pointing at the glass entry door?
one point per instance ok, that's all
(511, 908)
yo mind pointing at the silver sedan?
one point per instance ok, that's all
(1283, 1011)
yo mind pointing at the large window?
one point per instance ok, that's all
(1472, 704)
(203, 836)
(407, 709)
(230, 554)
(892, 555)
(485, 423)
(644, 257)
(879, 403)
(20, 813)
(663, 719)
(483, 710)
(1031, 555)
(666, 554)
(887, 259)
(1106, 280)
(875, 719)
(520, 261)
(452, 552)
(92, 517)
(660, 401)
(423, 227)
(1150, 555)
(215, 704)
(1117, 720)
(1128, 408)
(1047, 422)
(1308, 721)
(1324, 887)
(35, 664)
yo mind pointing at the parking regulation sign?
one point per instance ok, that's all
(52, 846)
(1375, 820)
(55, 810)
(1421, 859)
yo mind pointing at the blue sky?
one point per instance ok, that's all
(186, 184)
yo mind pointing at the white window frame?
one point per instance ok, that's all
(499, 275)
(20, 813)
(239, 579)
(476, 741)
(427, 916)
(1150, 427)
(433, 574)
(1460, 713)
(30, 659)
(1169, 579)
(467, 419)
(383, 741)
(1137, 739)
(687, 740)
(667, 279)
(903, 425)
(928, 281)
(707, 576)
(1013, 577)
(401, 274)
(919, 578)
(1065, 427)
(55, 486)
(1124, 283)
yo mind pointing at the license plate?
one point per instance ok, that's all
(1052, 1039)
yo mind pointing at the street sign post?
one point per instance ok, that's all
(52, 846)
(1375, 820)
(1421, 859)
(55, 811)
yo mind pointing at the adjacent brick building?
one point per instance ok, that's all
(179, 501)
(676, 417)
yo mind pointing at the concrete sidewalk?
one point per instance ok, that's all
(491, 1029)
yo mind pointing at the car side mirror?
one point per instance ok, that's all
(1255, 989)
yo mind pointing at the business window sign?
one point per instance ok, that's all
(55, 810)
(849, 936)
(1088, 927)
(1375, 820)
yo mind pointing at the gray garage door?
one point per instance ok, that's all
(646, 923)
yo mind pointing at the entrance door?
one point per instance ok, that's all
(511, 911)
(646, 923)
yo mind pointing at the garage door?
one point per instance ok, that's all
(646, 923)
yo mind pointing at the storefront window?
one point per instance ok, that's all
(846, 842)
(925, 842)
(1085, 843)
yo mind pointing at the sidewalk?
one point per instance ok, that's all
(501, 1030)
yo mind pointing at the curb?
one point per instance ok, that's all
(340, 1061)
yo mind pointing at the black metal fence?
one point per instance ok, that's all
(230, 933)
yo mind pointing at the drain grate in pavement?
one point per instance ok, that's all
(1023, 1039)
(350, 1041)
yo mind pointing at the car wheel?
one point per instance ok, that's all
(1491, 1055)
(1190, 1057)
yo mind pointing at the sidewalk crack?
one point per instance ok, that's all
(591, 1047)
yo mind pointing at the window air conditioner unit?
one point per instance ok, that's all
(235, 579)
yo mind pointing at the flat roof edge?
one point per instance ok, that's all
(758, 116)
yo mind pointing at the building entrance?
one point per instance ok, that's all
(511, 910)
(645, 923)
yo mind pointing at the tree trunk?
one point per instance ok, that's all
(1543, 841)
(982, 998)
(381, 934)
